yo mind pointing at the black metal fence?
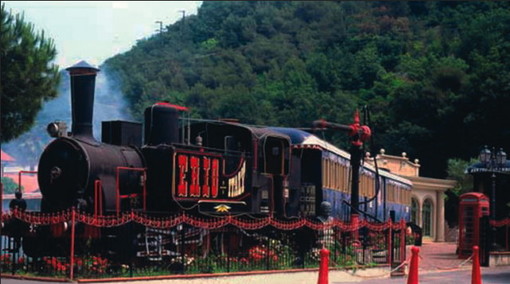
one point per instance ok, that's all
(501, 236)
(73, 245)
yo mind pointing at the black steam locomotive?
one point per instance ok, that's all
(229, 168)
(202, 167)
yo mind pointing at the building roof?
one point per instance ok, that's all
(6, 157)
(400, 165)
(434, 184)
(28, 181)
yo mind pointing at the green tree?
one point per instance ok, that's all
(28, 75)
(457, 171)
(10, 186)
(432, 73)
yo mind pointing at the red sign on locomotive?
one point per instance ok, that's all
(198, 176)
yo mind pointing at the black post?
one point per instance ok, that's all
(267, 254)
(335, 236)
(183, 234)
(228, 253)
(133, 249)
(392, 236)
(12, 245)
(303, 252)
(494, 245)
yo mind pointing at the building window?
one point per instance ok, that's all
(427, 218)
(414, 211)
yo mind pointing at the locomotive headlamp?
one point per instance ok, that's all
(57, 129)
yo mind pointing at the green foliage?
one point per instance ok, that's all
(456, 171)
(433, 73)
(10, 186)
(28, 76)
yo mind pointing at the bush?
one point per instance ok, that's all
(9, 185)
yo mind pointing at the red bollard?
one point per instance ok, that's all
(413, 268)
(323, 267)
(475, 274)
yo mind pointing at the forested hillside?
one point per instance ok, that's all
(435, 75)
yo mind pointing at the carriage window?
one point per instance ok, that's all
(362, 185)
(231, 144)
(371, 188)
(324, 172)
(347, 185)
(338, 177)
(330, 174)
(341, 178)
(391, 192)
(345, 178)
(330, 178)
(233, 156)
(274, 156)
(334, 176)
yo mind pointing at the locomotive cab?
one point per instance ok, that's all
(230, 169)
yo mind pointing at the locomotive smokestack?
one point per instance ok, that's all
(83, 82)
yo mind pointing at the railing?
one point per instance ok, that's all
(135, 244)
(502, 231)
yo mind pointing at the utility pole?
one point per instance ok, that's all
(183, 12)
(160, 26)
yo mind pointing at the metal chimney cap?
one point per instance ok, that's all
(82, 65)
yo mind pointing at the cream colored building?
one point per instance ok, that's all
(427, 195)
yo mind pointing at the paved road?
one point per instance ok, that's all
(498, 275)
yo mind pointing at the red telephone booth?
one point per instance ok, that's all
(473, 206)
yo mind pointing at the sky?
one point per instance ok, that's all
(96, 30)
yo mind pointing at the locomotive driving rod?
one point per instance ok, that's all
(359, 134)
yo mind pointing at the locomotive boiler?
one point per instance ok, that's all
(71, 165)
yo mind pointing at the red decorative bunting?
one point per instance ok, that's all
(500, 223)
(245, 223)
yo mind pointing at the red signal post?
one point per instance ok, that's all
(358, 134)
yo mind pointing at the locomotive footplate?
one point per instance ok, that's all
(220, 207)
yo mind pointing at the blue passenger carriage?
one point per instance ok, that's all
(321, 171)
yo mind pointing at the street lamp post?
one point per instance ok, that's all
(493, 161)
